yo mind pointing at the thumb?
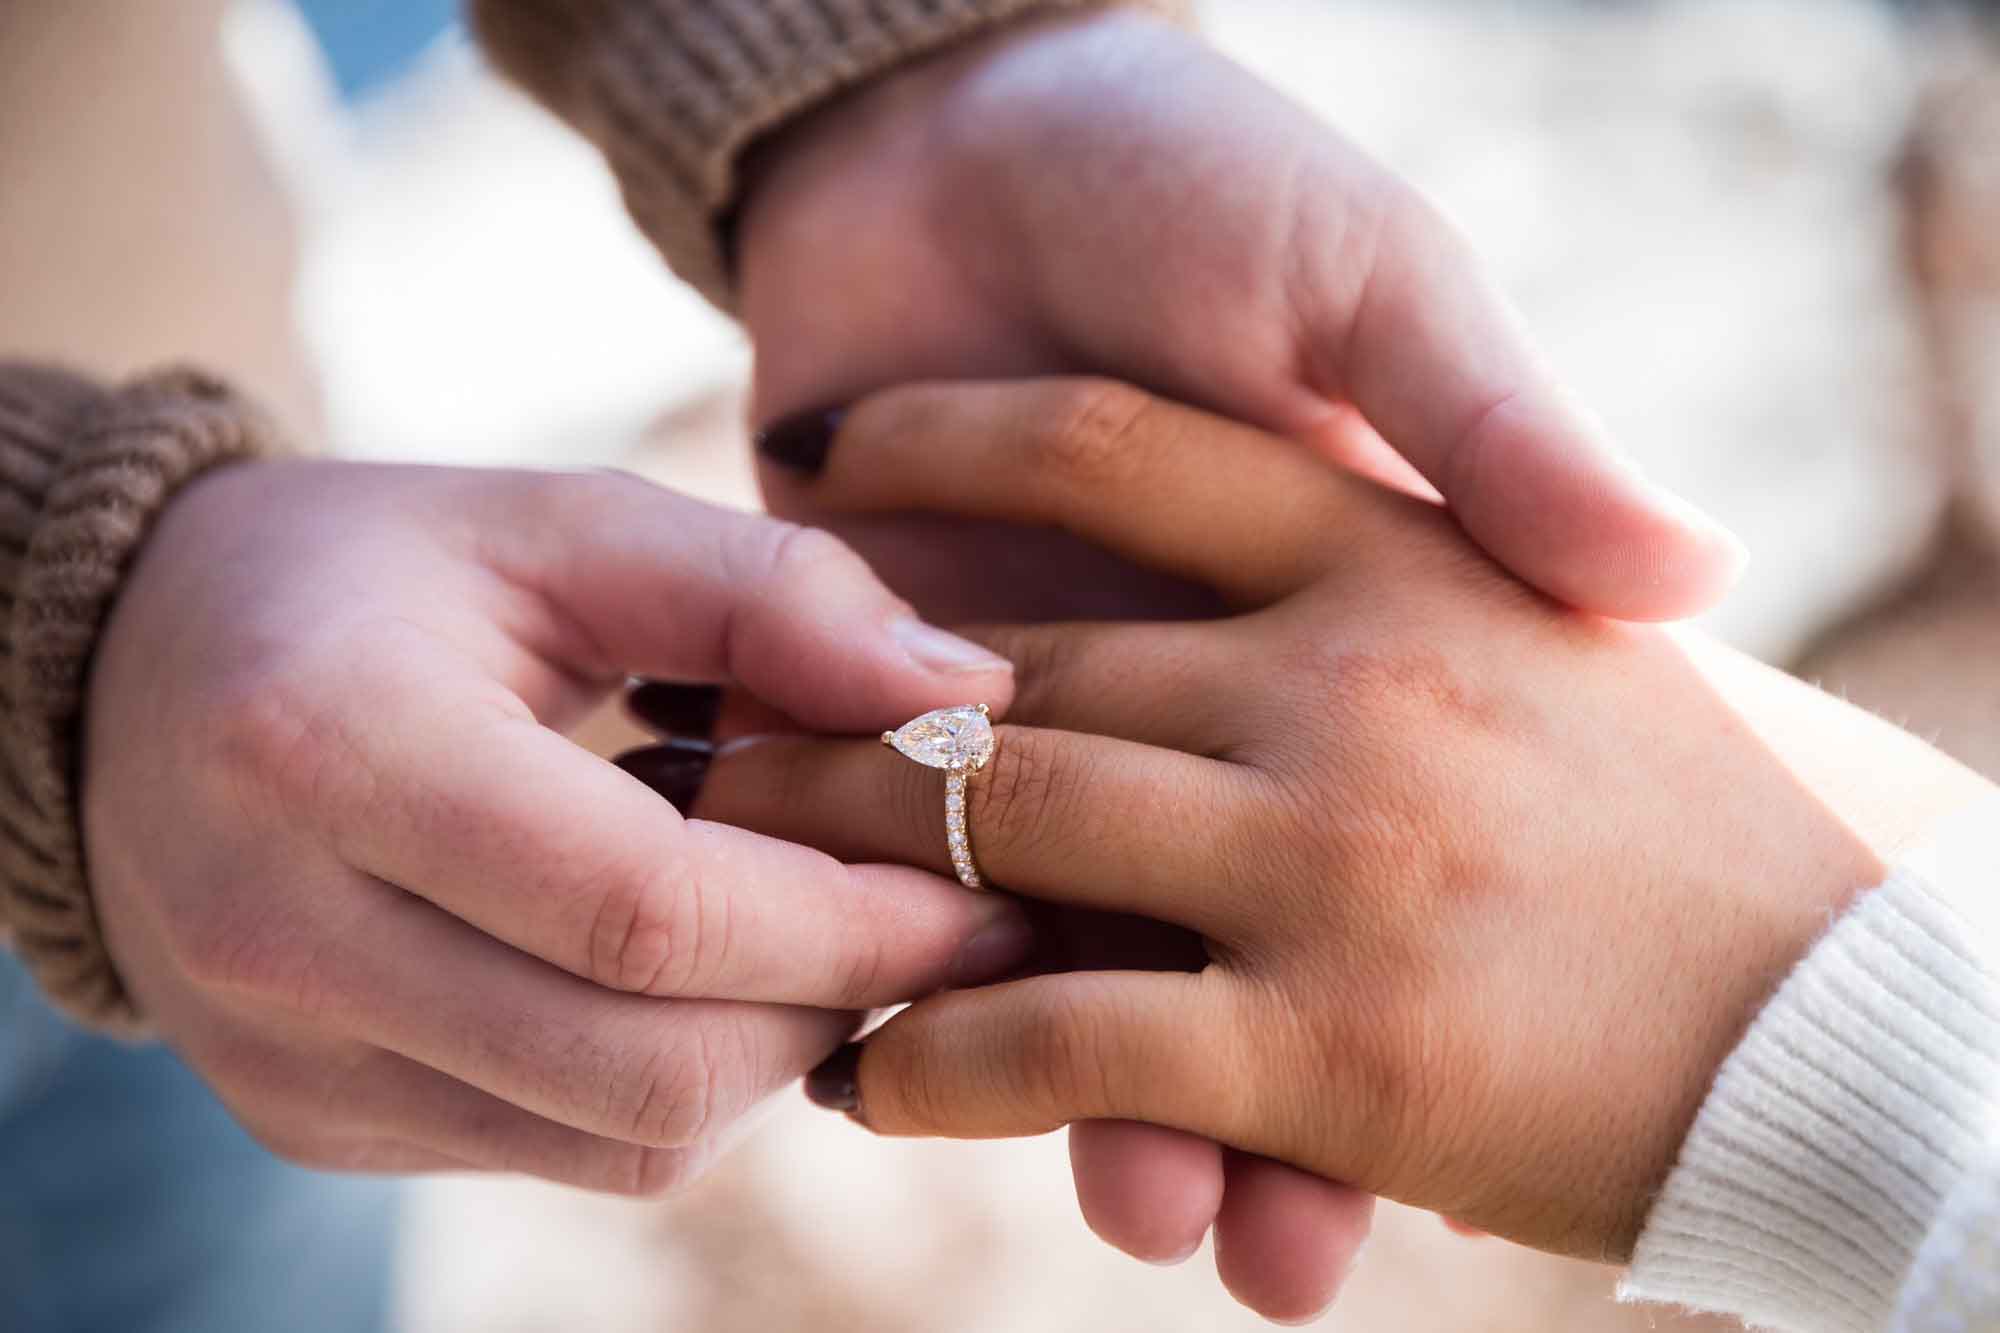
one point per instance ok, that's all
(653, 583)
(1438, 363)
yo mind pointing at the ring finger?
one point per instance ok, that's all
(1086, 821)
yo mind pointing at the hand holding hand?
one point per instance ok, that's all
(1103, 193)
(348, 867)
(1489, 888)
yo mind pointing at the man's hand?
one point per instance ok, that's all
(348, 868)
(1106, 194)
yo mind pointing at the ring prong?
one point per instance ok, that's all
(984, 710)
(888, 738)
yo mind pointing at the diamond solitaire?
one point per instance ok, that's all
(960, 741)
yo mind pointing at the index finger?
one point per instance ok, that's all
(1064, 817)
(515, 830)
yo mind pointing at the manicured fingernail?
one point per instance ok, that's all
(936, 650)
(674, 770)
(835, 1083)
(996, 951)
(687, 711)
(801, 441)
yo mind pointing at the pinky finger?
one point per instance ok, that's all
(1030, 1056)
(396, 1115)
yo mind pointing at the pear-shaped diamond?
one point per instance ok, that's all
(952, 738)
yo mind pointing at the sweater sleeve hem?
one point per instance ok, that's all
(90, 472)
(674, 93)
(1863, 1096)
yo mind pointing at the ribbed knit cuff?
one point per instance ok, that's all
(83, 475)
(674, 91)
(1864, 1095)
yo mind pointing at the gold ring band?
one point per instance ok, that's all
(961, 742)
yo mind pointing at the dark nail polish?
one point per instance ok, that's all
(685, 711)
(674, 770)
(834, 1084)
(801, 441)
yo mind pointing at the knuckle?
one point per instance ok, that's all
(243, 953)
(254, 951)
(905, 1090)
(646, 935)
(297, 741)
(1394, 1061)
(1090, 434)
(593, 497)
(778, 556)
(864, 963)
(1066, 1047)
(673, 1099)
(272, 736)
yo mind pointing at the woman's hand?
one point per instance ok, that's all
(1489, 888)
(1103, 193)
(349, 869)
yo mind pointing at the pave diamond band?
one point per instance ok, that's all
(954, 827)
(960, 741)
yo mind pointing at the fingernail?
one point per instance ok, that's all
(801, 441)
(1670, 501)
(1661, 498)
(1176, 1260)
(674, 770)
(1709, 527)
(687, 711)
(835, 1084)
(996, 951)
(935, 650)
(1665, 500)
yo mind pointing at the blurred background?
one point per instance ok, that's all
(1762, 237)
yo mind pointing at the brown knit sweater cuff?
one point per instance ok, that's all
(674, 91)
(83, 474)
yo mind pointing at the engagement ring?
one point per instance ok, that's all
(960, 741)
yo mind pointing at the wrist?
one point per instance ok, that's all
(1858, 1102)
(121, 462)
(1888, 787)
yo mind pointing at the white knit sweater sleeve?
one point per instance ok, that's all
(1844, 1174)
